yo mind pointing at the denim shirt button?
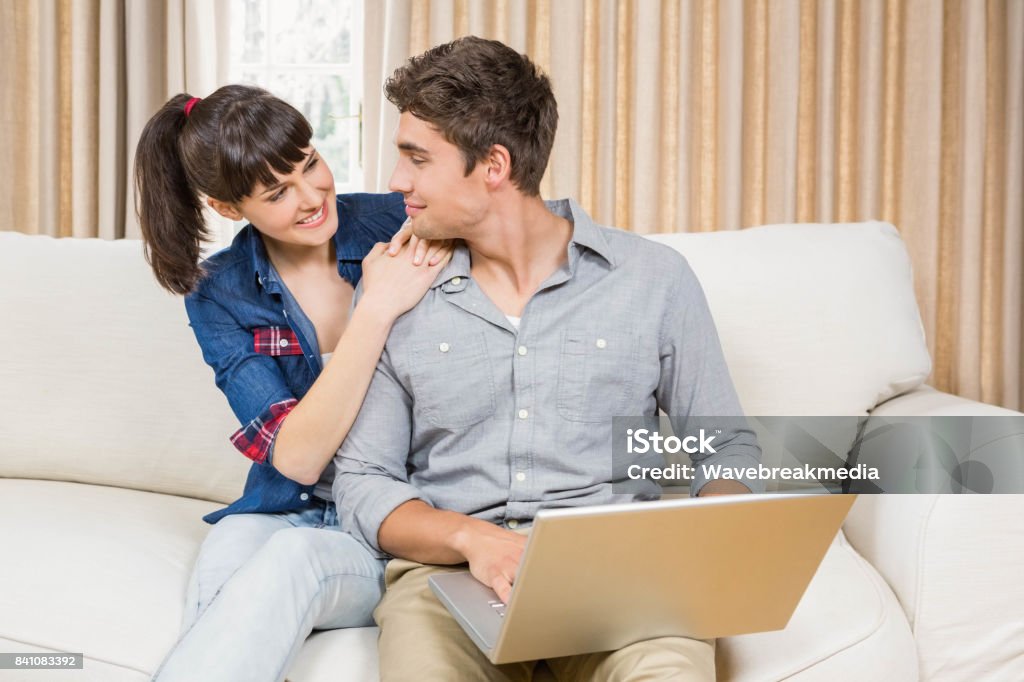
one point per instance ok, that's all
(304, 496)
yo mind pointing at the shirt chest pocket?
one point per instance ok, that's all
(595, 375)
(452, 381)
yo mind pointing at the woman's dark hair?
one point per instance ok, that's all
(225, 146)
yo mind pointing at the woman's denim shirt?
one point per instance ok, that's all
(262, 347)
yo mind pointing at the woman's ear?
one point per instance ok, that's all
(225, 209)
(499, 165)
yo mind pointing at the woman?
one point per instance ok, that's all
(271, 315)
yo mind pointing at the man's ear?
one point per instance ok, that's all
(498, 164)
(225, 209)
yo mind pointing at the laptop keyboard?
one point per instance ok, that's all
(499, 607)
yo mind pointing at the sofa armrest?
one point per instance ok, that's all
(954, 562)
(927, 441)
(926, 401)
(881, 527)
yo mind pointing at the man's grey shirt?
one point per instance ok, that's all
(468, 413)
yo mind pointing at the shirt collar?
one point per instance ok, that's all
(353, 240)
(585, 235)
(265, 275)
(455, 275)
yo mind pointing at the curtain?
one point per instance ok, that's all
(80, 80)
(724, 114)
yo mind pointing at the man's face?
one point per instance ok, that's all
(442, 201)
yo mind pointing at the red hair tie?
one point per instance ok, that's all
(191, 103)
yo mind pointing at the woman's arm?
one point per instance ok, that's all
(264, 399)
(314, 429)
(316, 426)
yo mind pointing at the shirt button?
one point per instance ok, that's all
(283, 343)
(521, 350)
(601, 343)
(444, 348)
(512, 523)
(456, 280)
(520, 476)
(304, 496)
(523, 414)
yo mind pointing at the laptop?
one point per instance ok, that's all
(600, 578)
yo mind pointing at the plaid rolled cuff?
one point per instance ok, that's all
(275, 341)
(255, 438)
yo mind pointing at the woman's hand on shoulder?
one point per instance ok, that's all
(394, 284)
(420, 250)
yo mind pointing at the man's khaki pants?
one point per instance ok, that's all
(420, 640)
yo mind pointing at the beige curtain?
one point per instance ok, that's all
(80, 80)
(723, 114)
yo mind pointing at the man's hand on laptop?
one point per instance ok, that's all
(493, 554)
(417, 531)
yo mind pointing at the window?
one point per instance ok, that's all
(309, 53)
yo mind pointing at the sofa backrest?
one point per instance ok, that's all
(101, 380)
(813, 319)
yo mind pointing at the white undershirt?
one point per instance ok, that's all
(514, 321)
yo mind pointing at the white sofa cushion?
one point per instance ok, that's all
(132, 552)
(955, 563)
(92, 670)
(848, 626)
(813, 319)
(867, 636)
(101, 360)
(346, 655)
(99, 570)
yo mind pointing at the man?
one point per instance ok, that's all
(494, 397)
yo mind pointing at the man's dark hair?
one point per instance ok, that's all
(478, 93)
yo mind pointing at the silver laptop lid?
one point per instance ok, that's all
(599, 578)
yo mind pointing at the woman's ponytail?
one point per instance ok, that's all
(169, 208)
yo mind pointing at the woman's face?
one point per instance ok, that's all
(300, 208)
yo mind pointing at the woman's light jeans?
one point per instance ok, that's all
(261, 584)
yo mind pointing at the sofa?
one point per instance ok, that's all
(114, 442)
